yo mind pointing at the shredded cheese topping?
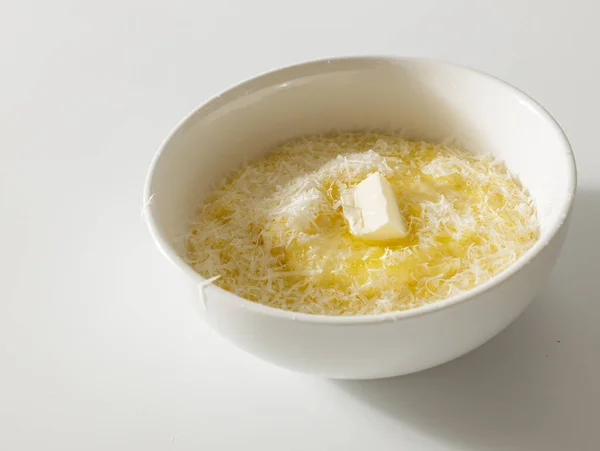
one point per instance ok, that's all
(274, 231)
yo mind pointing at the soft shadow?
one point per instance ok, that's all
(535, 387)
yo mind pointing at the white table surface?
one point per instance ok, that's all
(100, 348)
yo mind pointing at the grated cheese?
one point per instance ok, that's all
(274, 230)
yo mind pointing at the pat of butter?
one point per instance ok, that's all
(372, 211)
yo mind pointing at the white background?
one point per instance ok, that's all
(100, 348)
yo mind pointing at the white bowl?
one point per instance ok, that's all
(430, 100)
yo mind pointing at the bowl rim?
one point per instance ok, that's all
(312, 67)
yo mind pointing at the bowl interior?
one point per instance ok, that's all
(428, 100)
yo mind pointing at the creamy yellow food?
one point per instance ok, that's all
(275, 231)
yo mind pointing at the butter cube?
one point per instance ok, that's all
(372, 211)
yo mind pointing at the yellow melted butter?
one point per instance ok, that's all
(468, 219)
